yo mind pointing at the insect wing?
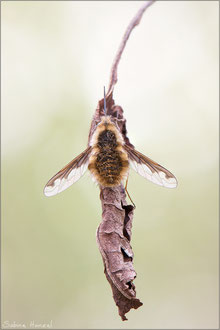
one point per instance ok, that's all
(71, 173)
(150, 169)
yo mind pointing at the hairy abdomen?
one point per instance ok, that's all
(109, 163)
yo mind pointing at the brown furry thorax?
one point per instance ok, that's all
(108, 162)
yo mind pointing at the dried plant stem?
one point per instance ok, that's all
(135, 21)
(114, 232)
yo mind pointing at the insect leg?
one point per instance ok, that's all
(128, 193)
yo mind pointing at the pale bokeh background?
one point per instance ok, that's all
(56, 58)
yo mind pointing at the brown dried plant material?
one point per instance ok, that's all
(114, 232)
(113, 237)
(134, 22)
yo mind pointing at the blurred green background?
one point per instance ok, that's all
(56, 58)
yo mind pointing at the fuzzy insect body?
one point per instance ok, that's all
(108, 163)
(109, 157)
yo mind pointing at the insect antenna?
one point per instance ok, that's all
(105, 111)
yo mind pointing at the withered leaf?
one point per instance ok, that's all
(114, 232)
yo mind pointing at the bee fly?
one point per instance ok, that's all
(108, 158)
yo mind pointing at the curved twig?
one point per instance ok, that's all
(135, 21)
(114, 232)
